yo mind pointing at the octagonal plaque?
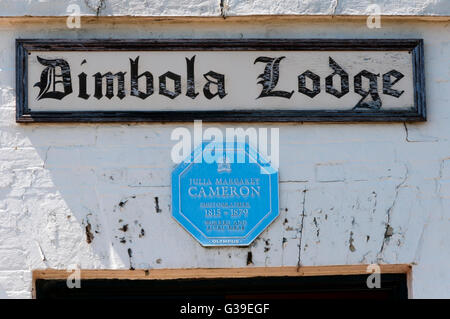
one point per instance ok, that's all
(225, 194)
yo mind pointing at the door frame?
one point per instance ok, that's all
(216, 273)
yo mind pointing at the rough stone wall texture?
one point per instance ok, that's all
(205, 8)
(349, 193)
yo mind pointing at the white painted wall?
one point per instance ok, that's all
(350, 181)
(208, 8)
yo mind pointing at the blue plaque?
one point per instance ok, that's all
(225, 194)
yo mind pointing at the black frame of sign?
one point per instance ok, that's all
(414, 46)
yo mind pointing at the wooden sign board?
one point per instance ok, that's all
(276, 80)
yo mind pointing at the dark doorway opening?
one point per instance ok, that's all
(393, 286)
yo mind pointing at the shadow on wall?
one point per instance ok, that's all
(99, 197)
(3, 294)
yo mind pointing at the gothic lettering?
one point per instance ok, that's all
(56, 83)
(302, 84)
(388, 83)
(190, 92)
(344, 80)
(176, 84)
(47, 84)
(109, 84)
(373, 90)
(82, 91)
(269, 79)
(216, 79)
(135, 76)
